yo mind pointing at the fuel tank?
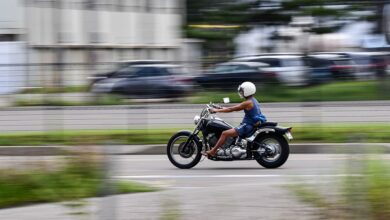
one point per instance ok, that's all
(217, 127)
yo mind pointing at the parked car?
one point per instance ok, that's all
(289, 68)
(334, 65)
(120, 67)
(381, 63)
(319, 69)
(370, 64)
(364, 68)
(230, 74)
(147, 81)
(366, 65)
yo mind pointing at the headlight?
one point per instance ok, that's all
(196, 119)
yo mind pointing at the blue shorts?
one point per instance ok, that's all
(244, 129)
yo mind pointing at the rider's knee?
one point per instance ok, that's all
(227, 133)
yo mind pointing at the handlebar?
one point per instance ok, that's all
(215, 106)
(212, 105)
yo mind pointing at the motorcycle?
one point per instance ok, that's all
(268, 143)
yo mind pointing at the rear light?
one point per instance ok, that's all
(378, 65)
(341, 67)
(179, 79)
(270, 74)
(288, 134)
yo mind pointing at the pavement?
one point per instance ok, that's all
(211, 190)
(147, 116)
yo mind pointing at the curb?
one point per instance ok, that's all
(303, 148)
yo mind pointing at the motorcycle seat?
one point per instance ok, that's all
(265, 124)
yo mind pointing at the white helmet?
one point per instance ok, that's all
(246, 89)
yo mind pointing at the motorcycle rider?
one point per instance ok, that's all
(253, 116)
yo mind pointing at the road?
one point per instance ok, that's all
(217, 190)
(181, 115)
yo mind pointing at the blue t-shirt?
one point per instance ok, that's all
(254, 115)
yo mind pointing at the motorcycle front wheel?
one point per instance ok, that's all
(182, 156)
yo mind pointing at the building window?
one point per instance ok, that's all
(120, 5)
(8, 37)
(148, 5)
(89, 4)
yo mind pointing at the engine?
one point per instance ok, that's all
(238, 152)
(228, 149)
(232, 152)
(213, 139)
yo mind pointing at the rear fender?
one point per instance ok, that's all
(285, 132)
(280, 131)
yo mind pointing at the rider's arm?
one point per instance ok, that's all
(239, 107)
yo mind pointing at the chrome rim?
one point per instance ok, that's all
(180, 155)
(273, 149)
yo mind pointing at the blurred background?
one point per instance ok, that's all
(102, 78)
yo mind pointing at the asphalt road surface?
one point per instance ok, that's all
(211, 190)
(181, 116)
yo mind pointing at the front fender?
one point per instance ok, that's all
(190, 134)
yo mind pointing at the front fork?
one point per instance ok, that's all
(190, 138)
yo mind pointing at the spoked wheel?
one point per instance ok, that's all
(182, 156)
(272, 151)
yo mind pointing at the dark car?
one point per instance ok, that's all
(330, 66)
(230, 74)
(147, 81)
(120, 67)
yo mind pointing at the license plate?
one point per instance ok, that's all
(289, 136)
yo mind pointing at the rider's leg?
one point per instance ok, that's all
(225, 134)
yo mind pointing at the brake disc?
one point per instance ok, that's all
(186, 152)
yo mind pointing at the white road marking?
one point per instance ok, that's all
(293, 158)
(230, 176)
(317, 158)
(290, 159)
(187, 187)
(141, 159)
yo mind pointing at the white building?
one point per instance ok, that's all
(92, 31)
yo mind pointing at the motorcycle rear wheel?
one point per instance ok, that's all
(281, 147)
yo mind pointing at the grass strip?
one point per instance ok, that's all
(336, 91)
(48, 90)
(86, 137)
(81, 177)
(370, 133)
(58, 101)
(364, 194)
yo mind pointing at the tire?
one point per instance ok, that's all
(284, 151)
(196, 145)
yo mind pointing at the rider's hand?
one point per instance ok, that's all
(213, 110)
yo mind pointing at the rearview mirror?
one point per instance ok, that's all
(226, 100)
